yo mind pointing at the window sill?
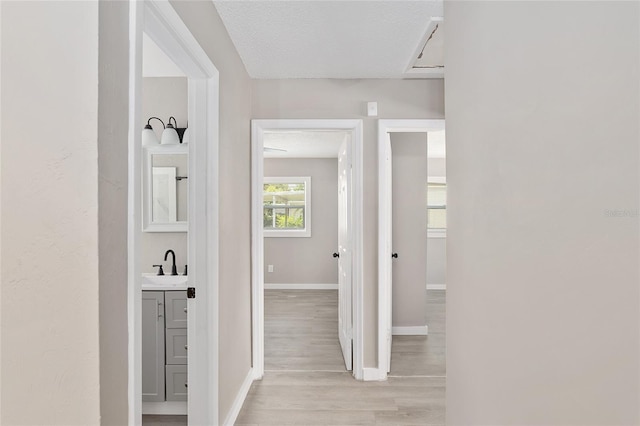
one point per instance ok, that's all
(305, 233)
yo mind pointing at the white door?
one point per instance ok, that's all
(345, 320)
(389, 249)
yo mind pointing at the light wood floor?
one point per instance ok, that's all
(301, 331)
(414, 394)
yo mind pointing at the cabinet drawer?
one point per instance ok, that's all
(176, 344)
(176, 382)
(175, 303)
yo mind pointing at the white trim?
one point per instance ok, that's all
(292, 233)
(411, 72)
(161, 23)
(134, 225)
(168, 408)
(239, 399)
(373, 374)
(415, 330)
(436, 286)
(437, 179)
(258, 127)
(310, 286)
(384, 245)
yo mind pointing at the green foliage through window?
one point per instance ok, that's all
(284, 206)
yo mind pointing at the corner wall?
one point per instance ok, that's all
(113, 212)
(543, 178)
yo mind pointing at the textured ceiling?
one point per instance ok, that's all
(327, 39)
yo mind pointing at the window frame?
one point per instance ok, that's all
(288, 233)
(436, 232)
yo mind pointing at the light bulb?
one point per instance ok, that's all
(149, 137)
(170, 136)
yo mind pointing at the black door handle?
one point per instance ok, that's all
(336, 255)
(394, 255)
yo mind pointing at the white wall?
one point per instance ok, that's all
(543, 132)
(164, 97)
(50, 332)
(307, 260)
(330, 98)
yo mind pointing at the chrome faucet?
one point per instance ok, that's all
(174, 270)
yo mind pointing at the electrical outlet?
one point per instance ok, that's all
(270, 268)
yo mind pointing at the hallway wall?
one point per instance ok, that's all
(49, 241)
(543, 100)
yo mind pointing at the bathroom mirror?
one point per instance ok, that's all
(165, 183)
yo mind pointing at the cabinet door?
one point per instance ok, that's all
(153, 371)
(176, 342)
(176, 382)
(176, 309)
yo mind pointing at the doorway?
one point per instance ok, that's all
(158, 21)
(287, 207)
(412, 349)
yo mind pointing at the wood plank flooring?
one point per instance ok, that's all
(414, 394)
(301, 330)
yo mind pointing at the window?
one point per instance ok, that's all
(287, 207)
(436, 208)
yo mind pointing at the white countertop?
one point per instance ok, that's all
(164, 282)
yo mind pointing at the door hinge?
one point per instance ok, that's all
(191, 292)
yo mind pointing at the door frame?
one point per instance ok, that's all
(162, 24)
(384, 224)
(258, 129)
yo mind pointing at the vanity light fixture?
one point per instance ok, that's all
(171, 135)
(149, 137)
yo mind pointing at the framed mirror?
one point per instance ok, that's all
(165, 187)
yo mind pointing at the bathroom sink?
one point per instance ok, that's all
(164, 282)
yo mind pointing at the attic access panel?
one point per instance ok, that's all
(431, 56)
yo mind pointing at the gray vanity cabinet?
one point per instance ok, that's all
(153, 333)
(164, 346)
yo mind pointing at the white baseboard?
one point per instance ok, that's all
(168, 408)
(272, 286)
(418, 330)
(240, 397)
(436, 286)
(373, 374)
